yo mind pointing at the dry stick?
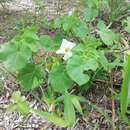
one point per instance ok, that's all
(3, 5)
(58, 8)
(127, 128)
(113, 102)
(126, 42)
(101, 111)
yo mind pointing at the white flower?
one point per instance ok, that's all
(70, 13)
(65, 49)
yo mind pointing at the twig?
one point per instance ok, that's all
(109, 25)
(127, 127)
(126, 42)
(101, 111)
(113, 103)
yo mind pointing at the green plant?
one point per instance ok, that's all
(113, 10)
(124, 101)
(127, 24)
(66, 63)
(20, 104)
(92, 9)
(125, 93)
(118, 9)
(125, 96)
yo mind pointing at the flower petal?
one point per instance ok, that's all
(70, 13)
(67, 44)
(60, 51)
(67, 56)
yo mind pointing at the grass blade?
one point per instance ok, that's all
(125, 91)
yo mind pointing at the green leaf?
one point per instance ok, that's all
(29, 34)
(50, 44)
(103, 60)
(29, 38)
(108, 37)
(91, 64)
(57, 40)
(108, 66)
(30, 77)
(11, 108)
(76, 104)
(15, 56)
(69, 23)
(59, 79)
(89, 45)
(17, 60)
(16, 96)
(69, 112)
(32, 45)
(127, 28)
(80, 98)
(46, 42)
(75, 69)
(85, 57)
(90, 14)
(101, 25)
(19, 104)
(51, 117)
(82, 30)
(92, 3)
(6, 50)
(114, 63)
(58, 22)
(59, 99)
(125, 90)
(92, 42)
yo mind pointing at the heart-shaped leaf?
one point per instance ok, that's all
(30, 77)
(59, 79)
(75, 69)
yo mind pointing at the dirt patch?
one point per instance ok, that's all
(8, 22)
(9, 19)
